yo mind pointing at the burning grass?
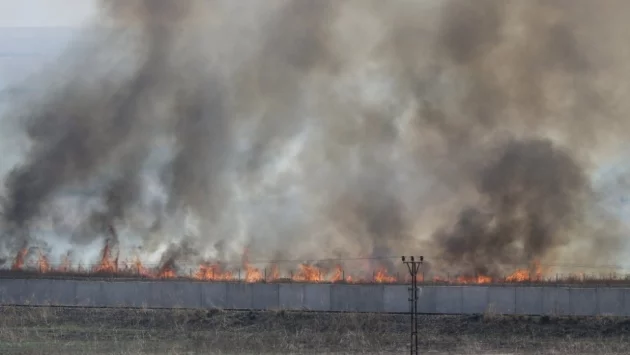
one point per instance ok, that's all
(32, 262)
(609, 280)
(25, 330)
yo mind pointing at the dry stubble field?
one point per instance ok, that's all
(31, 330)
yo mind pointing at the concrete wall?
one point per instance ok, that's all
(548, 300)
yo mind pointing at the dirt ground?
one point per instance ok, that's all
(30, 330)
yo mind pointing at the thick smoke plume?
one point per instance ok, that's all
(532, 199)
(465, 131)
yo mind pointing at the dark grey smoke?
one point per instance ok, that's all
(202, 143)
(532, 197)
(118, 197)
(467, 131)
(369, 207)
(296, 44)
(80, 130)
(175, 254)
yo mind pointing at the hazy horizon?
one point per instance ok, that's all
(46, 13)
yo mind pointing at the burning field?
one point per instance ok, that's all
(311, 141)
(111, 267)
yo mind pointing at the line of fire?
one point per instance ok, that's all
(32, 262)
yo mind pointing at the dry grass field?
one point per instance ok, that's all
(30, 330)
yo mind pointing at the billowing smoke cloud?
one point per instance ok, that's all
(464, 131)
(532, 197)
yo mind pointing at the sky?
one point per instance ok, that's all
(45, 13)
(32, 32)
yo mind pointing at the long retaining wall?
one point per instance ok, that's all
(544, 300)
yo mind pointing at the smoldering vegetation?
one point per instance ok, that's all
(464, 131)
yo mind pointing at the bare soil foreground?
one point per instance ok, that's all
(30, 330)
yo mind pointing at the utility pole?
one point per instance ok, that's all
(414, 266)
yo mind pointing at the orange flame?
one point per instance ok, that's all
(215, 272)
(275, 273)
(65, 264)
(520, 275)
(42, 263)
(338, 275)
(107, 263)
(167, 271)
(252, 274)
(18, 262)
(480, 279)
(308, 273)
(212, 272)
(381, 276)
